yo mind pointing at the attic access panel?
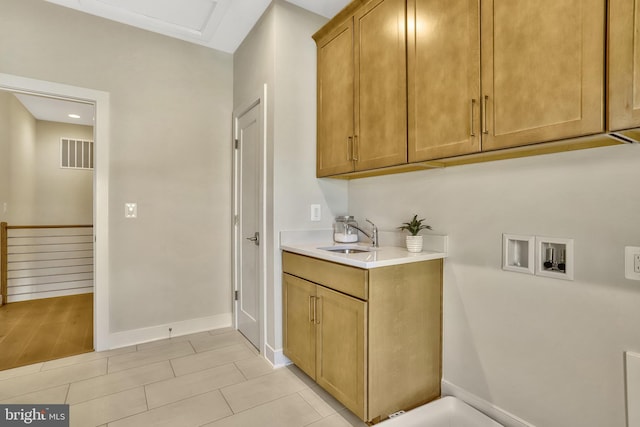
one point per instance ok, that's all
(191, 14)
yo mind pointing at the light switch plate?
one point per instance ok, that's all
(130, 210)
(316, 213)
(630, 269)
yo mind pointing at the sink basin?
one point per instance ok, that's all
(346, 249)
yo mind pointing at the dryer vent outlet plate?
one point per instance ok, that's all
(518, 253)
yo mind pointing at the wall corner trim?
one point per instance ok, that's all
(276, 357)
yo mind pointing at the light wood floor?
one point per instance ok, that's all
(45, 329)
(212, 379)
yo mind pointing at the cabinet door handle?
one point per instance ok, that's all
(356, 148)
(484, 114)
(316, 311)
(312, 310)
(349, 148)
(471, 124)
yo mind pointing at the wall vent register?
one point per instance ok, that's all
(76, 153)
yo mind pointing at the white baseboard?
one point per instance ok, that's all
(48, 294)
(488, 408)
(276, 357)
(158, 332)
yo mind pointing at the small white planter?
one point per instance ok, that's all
(414, 243)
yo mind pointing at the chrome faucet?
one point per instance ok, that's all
(374, 232)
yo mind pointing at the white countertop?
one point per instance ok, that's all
(310, 244)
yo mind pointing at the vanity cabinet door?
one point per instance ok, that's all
(624, 64)
(324, 335)
(341, 343)
(377, 349)
(299, 329)
(542, 70)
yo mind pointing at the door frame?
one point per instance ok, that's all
(258, 100)
(101, 127)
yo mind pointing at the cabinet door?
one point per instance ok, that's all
(380, 85)
(542, 70)
(299, 323)
(443, 62)
(341, 344)
(624, 64)
(335, 102)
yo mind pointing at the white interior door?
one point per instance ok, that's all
(248, 129)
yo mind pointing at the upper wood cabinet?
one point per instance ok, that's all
(362, 104)
(624, 64)
(495, 74)
(335, 101)
(542, 70)
(443, 78)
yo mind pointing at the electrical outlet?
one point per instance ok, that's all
(130, 210)
(632, 262)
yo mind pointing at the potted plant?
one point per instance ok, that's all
(414, 241)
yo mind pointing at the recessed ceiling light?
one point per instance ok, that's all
(74, 116)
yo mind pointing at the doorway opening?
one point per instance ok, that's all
(47, 229)
(99, 184)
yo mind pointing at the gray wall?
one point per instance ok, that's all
(21, 173)
(63, 196)
(169, 152)
(32, 184)
(280, 52)
(549, 351)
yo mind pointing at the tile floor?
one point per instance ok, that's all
(211, 379)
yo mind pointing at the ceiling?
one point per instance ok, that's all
(218, 24)
(57, 110)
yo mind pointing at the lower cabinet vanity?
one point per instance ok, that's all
(372, 337)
